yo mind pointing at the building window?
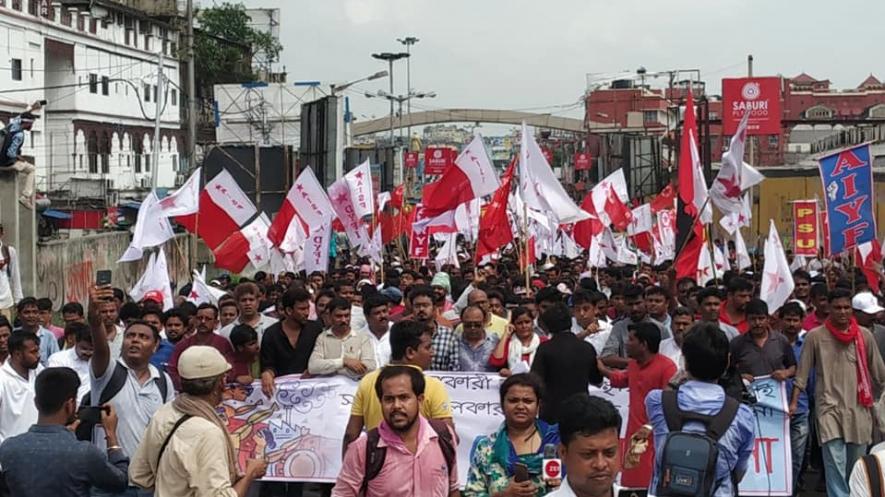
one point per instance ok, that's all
(173, 48)
(32, 68)
(66, 18)
(175, 164)
(174, 97)
(34, 7)
(137, 162)
(17, 4)
(147, 163)
(650, 116)
(93, 83)
(128, 36)
(155, 94)
(147, 93)
(772, 141)
(81, 22)
(105, 163)
(16, 69)
(147, 42)
(128, 162)
(105, 85)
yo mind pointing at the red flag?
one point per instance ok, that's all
(224, 208)
(687, 260)
(471, 177)
(617, 211)
(232, 255)
(527, 257)
(494, 226)
(396, 197)
(870, 263)
(585, 230)
(664, 200)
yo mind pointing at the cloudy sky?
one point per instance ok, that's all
(519, 54)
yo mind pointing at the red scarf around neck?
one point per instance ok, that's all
(853, 334)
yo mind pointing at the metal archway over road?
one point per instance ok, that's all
(469, 115)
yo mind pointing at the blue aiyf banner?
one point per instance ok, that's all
(847, 178)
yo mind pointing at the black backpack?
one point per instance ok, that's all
(375, 455)
(116, 383)
(688, 462)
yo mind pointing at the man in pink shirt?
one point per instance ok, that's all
(418, 457)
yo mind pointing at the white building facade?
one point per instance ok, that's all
(98, 71)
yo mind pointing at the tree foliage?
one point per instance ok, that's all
(224, 45)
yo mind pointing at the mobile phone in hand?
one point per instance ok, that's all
(89, 414)
(520, 472)
(103, 277)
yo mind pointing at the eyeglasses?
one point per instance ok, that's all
(472, 325)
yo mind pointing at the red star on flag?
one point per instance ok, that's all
(732, 188)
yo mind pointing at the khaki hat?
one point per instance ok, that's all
(200, 362)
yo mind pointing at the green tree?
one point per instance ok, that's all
(224, 45)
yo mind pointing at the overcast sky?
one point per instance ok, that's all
(518, 54)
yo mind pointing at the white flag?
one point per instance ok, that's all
(610, 198)
(259, 245)
(539, 186)
(777, 280)
(154, 279)
(596, 255)
(624, 254)
(203, 293)
(152, 228)
(705, 266)
(185, 200)
(721, 260)
(448, 253)
(345, 208)
(359, 181)
(641, 222)
(570, 248)
(316, 252)
(310, 200)
(735, 175)
(373, 248)
(742, 256)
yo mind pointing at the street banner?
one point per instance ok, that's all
(805, 233)
(770, 470)
(299, 430)
(847, 178)
(761, 97)
(410, 160)
(583, 161)
(438, 159)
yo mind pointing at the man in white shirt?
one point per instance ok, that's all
(586, 322)
(17, 376)
(590, 447)
(339, 349)
(10, 278)
(672, 347)
(377, 327)
(76, 357)
(247, 296)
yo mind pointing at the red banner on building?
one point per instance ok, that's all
(411, 160)
(759, 96)
(805, 228)
(438, 159)
(583, 161)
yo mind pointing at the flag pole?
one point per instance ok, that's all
(709, 233)
(525, 227)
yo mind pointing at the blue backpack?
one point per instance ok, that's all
(688, 462)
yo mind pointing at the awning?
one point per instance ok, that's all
(54, 214)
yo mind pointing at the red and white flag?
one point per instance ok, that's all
(185, 200)
(359, 181)
(306, 200)
(494, 224)
(342, 204)
(540, 188)
(154, 279)
(777, 279)
(610, 200)
(224, 208)
(472, 177)
(692, 185)
(741, 254)
(706, 269)
(641, 221)
(249, 244)
(440, 223)
(152, 228)
(735, 175)
(419, 243)
(202, 293)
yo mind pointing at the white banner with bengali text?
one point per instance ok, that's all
(300, 430)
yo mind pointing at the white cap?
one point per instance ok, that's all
(563, 289)
(200, 361)
(867, 303)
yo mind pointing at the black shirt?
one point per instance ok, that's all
(567, 365)
(277, 353)
(776, 353)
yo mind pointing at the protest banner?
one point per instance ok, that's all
(805, 232)
(847, 178)
(770, 470)
(300, 430)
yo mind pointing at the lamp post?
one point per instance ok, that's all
(337, 88)
(390, 58)
(408, 41)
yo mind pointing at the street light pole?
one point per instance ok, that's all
(390, 58)
(408, 42)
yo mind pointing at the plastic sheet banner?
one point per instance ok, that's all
(847, 178)
(300, 430)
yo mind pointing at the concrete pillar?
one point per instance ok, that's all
(20, 231)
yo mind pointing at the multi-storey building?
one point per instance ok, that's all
(96, 64)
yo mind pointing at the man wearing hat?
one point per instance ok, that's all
(866, 307)
(186, 450)
(10, 153)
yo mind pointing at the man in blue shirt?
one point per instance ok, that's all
(791, 315)
(705, 350)
(48, 459)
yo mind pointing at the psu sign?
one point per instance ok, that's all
(761, 97)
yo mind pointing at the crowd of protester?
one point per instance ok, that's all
(146, 373)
